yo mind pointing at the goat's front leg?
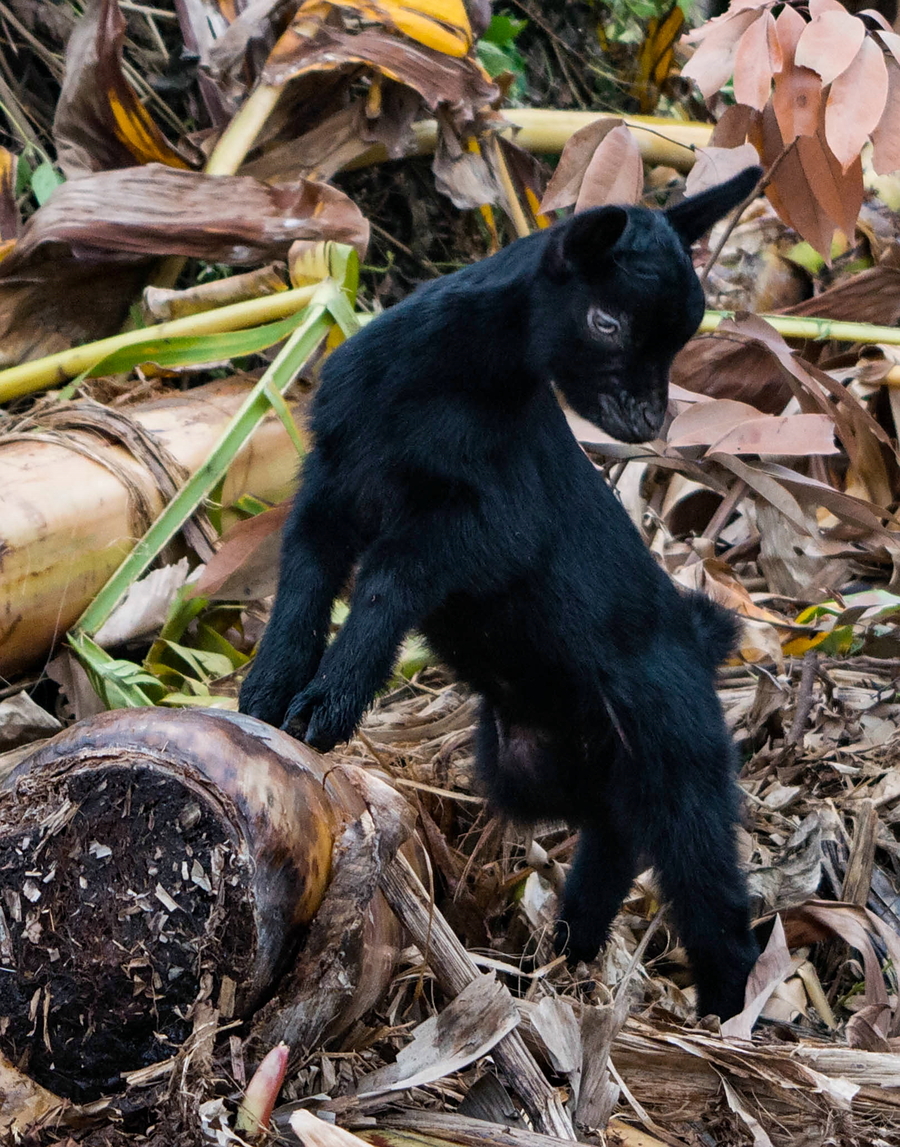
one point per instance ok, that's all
(393, 593)
(317, 554)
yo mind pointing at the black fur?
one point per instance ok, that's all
(444, 467)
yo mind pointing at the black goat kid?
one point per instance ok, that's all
(444, 467)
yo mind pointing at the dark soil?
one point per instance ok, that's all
(122, 908)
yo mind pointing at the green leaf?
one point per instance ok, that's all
(503, 29)
(196, 349)
(44, 181)
(205, 664)
(119, 684)
(209, 640)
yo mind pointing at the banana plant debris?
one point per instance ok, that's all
(210, 934)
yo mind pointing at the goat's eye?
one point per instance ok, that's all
(601, 324)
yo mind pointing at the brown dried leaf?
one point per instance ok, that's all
(712, 64)
(100, 123)
(615, 172)
(837, 192)
(157, 210)
(858, 927)
(830, 43)
(245, 566)
(458, 84)
(455, 88)
(771, 969)
(809, 188)
(729, 365)
(83, 254)
(788, 190)
(466, 1029)
(871, 296)
(734, 428)
(717, 580)
(855, 103)
(563, 188)
(757, 58)
(797, 94)
(716, 164)
(886, 135)
(706, 422)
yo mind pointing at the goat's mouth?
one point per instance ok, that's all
(630, 419)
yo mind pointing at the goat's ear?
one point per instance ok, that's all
(583, 241)
(694, 216)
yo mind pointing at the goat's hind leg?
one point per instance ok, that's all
(683, 760)
(605, 864)
(698, 870)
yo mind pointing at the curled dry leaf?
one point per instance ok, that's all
(458, 83)
(615, 172)
(819, 920)
(160, 835)
(856, 102)
(443, 26)
(717, 580)
(156, 210)
(759, 638)
(771, 969)
(453, 87)
(563, 188)
(81, 256)
(100, 124)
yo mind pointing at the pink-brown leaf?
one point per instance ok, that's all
(730, 427)
(797, 95)
(714, 165)
(855, 103)
(892, 43)
(615, 173)
(788, 190)
(712, 64)
(886, 136)
(563, 188)
(817, 7)
(799, 435)
(830, 43)
(757, 58)
(838, 192)
(706, 422)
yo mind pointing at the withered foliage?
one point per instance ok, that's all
(774, 488)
